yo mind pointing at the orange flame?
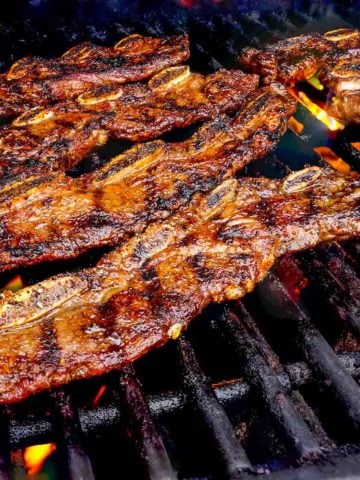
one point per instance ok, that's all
(332, 159)
(36, 455)
(15, 284)
(296, 126)
(356, 145)
(98, 396)
(317, 111)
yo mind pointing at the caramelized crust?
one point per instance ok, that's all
(56, 138)
(288, 61)
(335, 55)
(63, 217)
(295, 59)
(35, 81)
(341, 73)
(78, 325)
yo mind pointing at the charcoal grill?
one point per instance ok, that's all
(262, 388)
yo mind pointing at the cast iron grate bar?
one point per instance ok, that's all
(341, 301)
(203, 399)
(298, 374)
(342, 266)
(318, 353)
(337, 469)
(273, 361)
(267, 386)
(312, 420)
(5, 463)
(76, 462)
(148, 442)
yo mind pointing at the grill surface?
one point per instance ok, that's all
(266, 386)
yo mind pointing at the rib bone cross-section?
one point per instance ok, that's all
(63, 217)
(335, 56)
(58, 137)
(86, 323)
(34, 81)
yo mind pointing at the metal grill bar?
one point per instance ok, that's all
(320, 356)
(5, 463)
(344, 469)
(76, 462)
(311, 419)
(146, 439)
(267, 386)
(30, 430)
(341, 301)
(202, 397)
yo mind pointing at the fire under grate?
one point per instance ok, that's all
(262, 388)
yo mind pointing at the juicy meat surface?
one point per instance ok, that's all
(288, 61)
(87, 323)
(58, 137)
(341, 73)
(63, 217)
(34, 81)
(297, 58)
(335, 55)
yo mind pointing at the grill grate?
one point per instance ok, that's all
(264, 387)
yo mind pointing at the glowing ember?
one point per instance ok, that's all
(296, 126)
(36, 455)
(332, 159)
(356, 145)
(98, 396)
(316, 110)
(294, 279)
(15, 284)
(315, 82)
(187, 3)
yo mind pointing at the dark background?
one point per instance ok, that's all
(48, 27)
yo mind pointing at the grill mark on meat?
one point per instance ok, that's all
(50, 354)
(62, 78)
(169, 274)
(99, 209)
(57, 138)
(335, 56)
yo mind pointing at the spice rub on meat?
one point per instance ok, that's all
(297, 58)
(34, 81)
(334, 55)
(341, 74)
(58, 137)
(77, 325)
(63, 217)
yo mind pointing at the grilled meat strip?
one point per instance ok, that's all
(295, 59)
(336, 55)
(34, 81)
(341, 73)
(66, 216)
(81, 324)
(56, 138)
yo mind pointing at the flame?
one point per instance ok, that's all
(15, 284)
(296, 126)
(36, 455)
(99, 394)
(356, 145)
(332, 159)
(315, 82)
(187, 3)
(316, 110)
(291, 276)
